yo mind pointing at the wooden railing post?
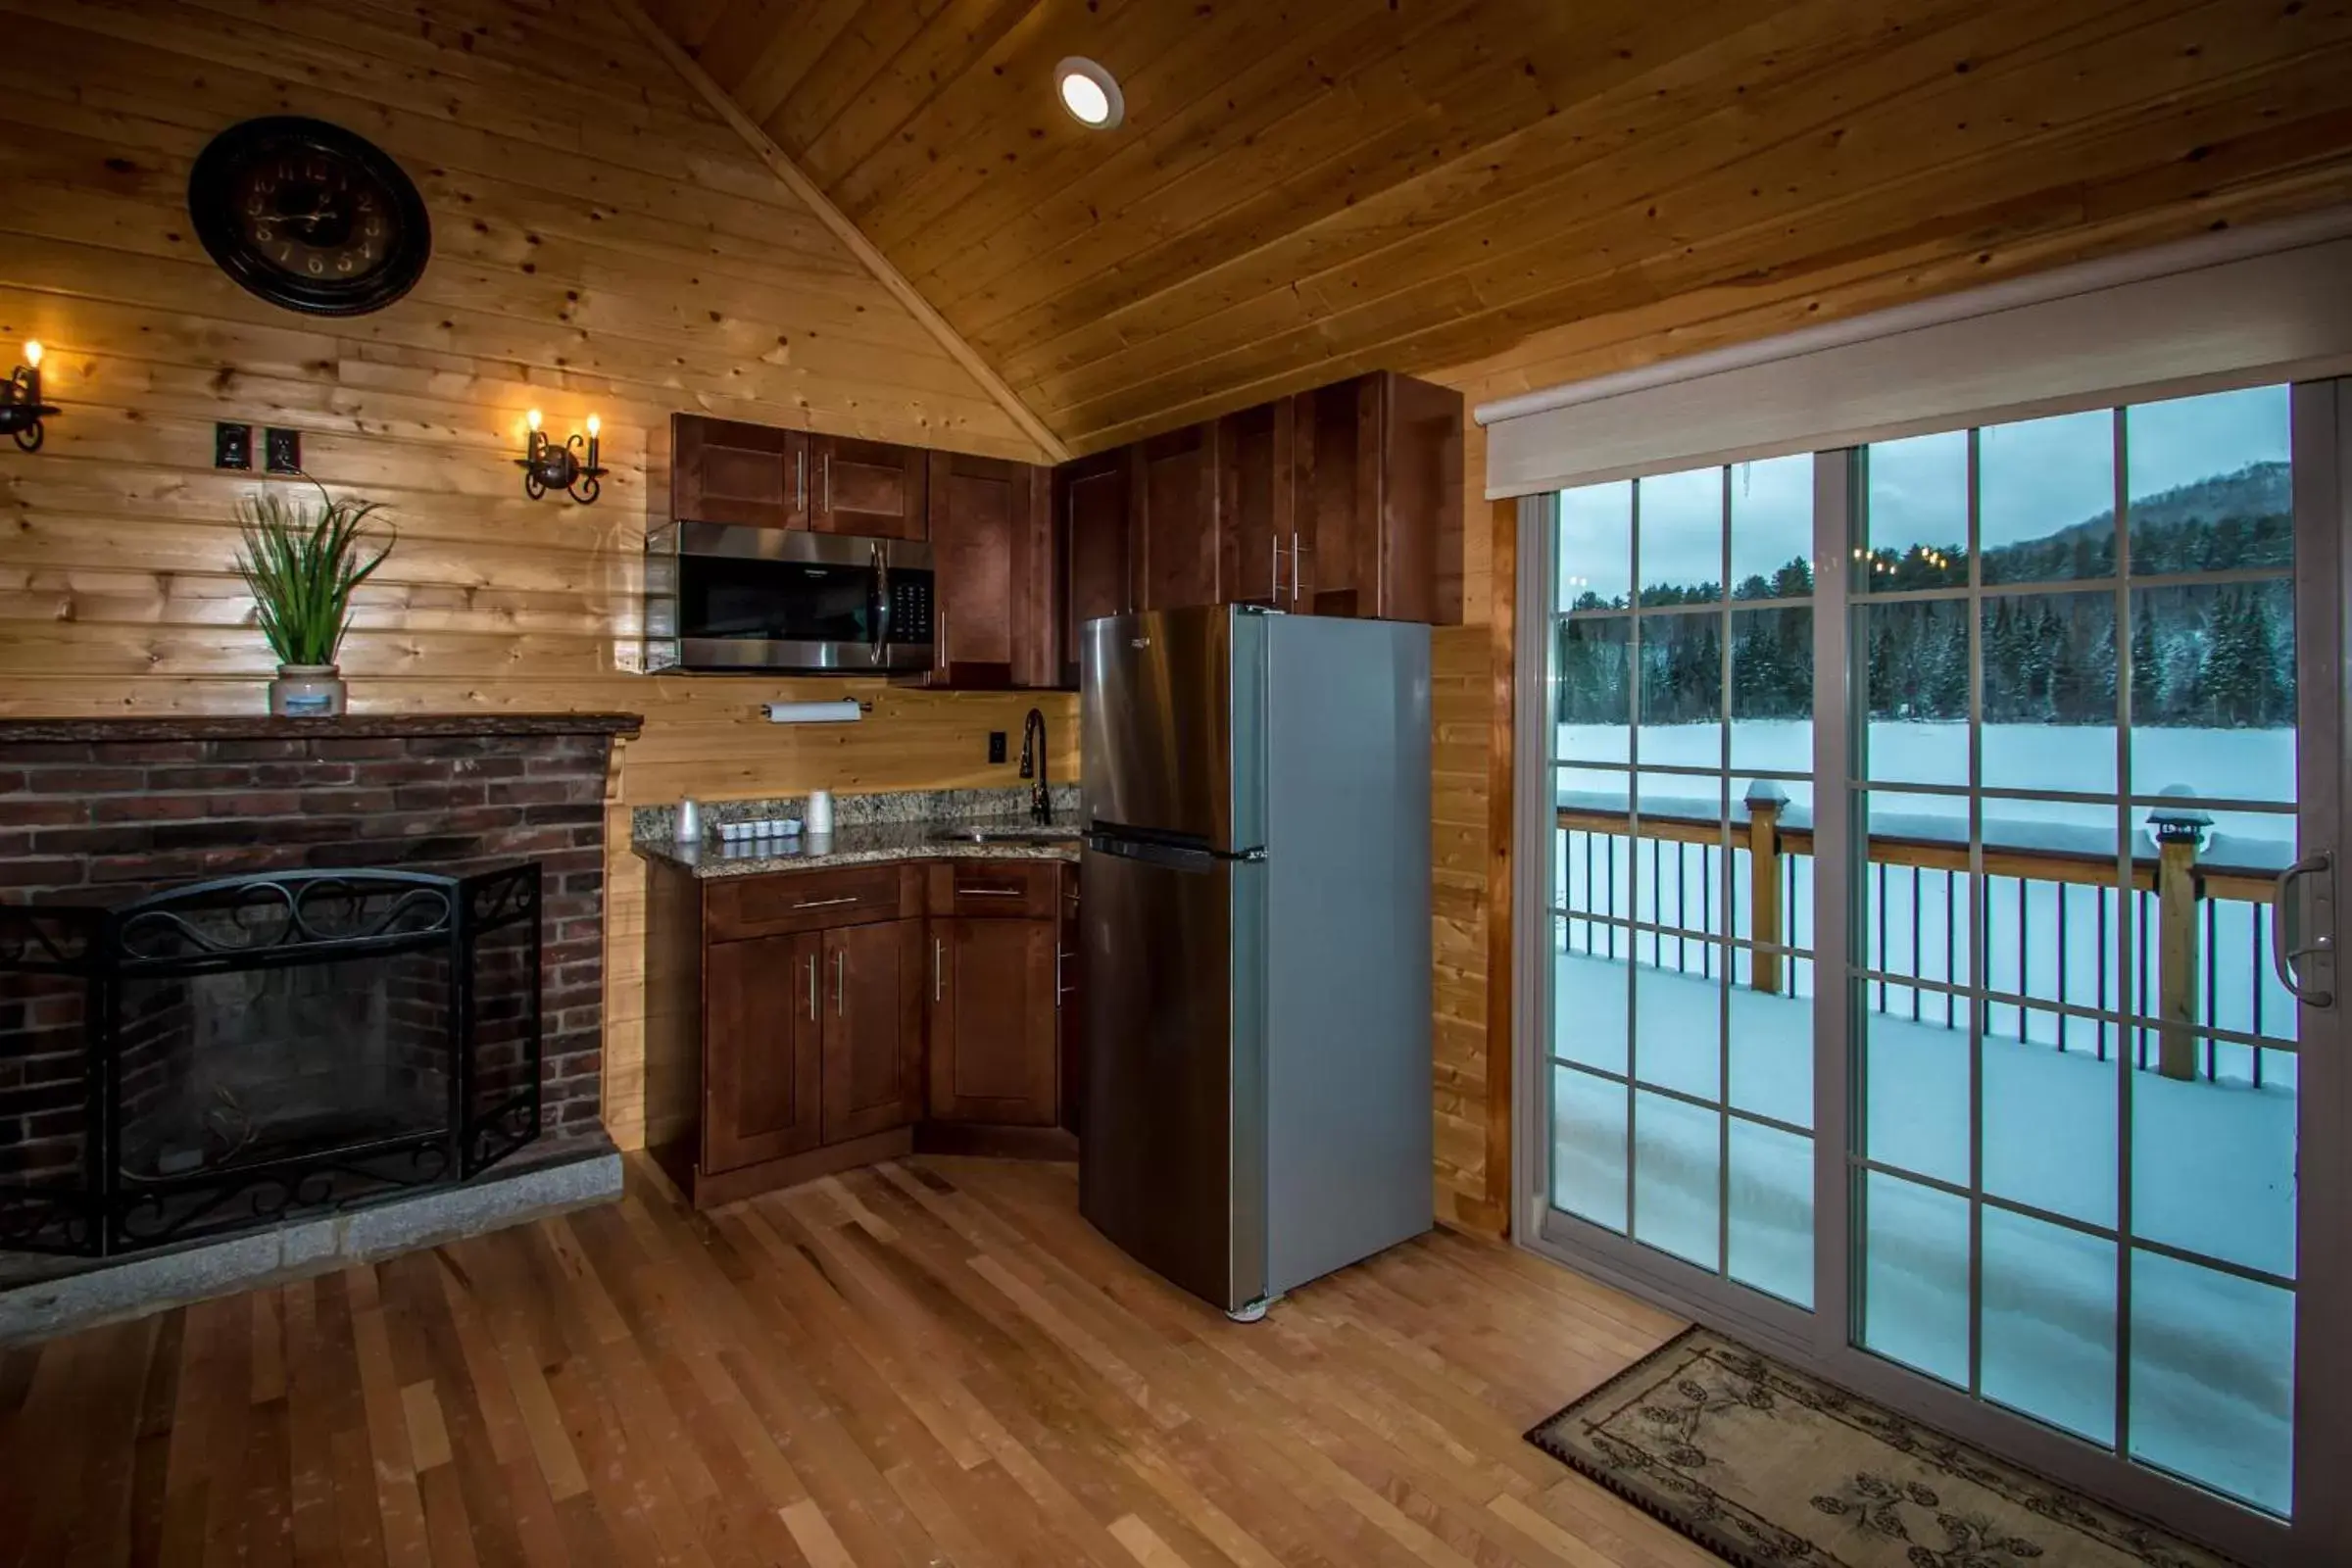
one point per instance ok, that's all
(1764, 801)
(2179, 830)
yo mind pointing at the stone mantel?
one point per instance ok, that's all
(349, 726)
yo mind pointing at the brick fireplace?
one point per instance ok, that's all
(98, 814)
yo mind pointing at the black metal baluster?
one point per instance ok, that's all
(1915, 940)
(2100, 935)
(2063, 965)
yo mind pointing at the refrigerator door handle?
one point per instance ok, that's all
(1175, 856)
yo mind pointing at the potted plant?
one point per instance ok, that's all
(302, 560)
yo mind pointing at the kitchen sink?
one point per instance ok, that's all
(1026, 834)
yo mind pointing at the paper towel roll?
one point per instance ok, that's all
(843, 712)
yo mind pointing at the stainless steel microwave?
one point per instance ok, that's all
(725, 597)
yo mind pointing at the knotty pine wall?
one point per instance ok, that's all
(602, 243)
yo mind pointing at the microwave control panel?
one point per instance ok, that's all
(910, 610)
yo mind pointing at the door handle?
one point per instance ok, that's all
(938, 952)
(812, 988)
(841, 958)
(2287, 939)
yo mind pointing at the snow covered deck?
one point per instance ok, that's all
(2212, 1172)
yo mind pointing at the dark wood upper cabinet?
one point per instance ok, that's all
(993, 1026)
(1094, 574)
(762, 1049)
(725, 472)
(1256, 505)
(1378, 483)
(873, 1028)
(873, 488)
(1173, 504)
(995, 622)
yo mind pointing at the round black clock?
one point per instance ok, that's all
(308, 216)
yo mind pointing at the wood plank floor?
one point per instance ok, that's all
(929, 1362)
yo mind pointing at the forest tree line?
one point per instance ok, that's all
(2209, 656)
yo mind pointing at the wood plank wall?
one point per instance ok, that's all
(602, 243)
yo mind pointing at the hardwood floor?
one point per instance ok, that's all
(931, 1361)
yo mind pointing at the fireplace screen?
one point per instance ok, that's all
(237, 1053)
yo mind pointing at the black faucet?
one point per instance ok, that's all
(1033, 767)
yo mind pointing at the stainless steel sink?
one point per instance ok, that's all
(1006, 835)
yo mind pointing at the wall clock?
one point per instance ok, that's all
(309, 216)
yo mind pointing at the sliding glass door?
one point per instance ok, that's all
(1937, 984)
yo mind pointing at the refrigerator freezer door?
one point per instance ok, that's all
(1173, 1169)
(1169, 717)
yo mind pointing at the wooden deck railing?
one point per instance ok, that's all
(2185, 894)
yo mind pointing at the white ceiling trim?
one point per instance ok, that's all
(2228, 309)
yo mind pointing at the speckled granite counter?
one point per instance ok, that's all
(871, 828)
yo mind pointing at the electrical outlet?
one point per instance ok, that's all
(232, 446)
(284, 449)
(996, 745)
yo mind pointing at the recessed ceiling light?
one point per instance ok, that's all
(1090, 93)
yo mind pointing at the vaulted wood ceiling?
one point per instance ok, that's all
(1305, 188)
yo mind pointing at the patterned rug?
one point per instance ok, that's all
(1769, 1468)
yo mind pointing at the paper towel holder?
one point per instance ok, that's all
(839, 710)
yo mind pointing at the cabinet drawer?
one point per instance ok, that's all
(1013, 890)
(808, 900)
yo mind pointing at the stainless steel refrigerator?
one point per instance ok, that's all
(1255, 930)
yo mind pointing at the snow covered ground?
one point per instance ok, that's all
(2212, 1171)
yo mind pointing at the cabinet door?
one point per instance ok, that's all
(1339, 495)
(994, 620)
(1095, 580)
(1175, 500)
(1069, 1041)
(868, 487)
(1256, 511)
(872, 1028)
(725, 472)
(992, 1022)
(760, 1050)
(1420, 493)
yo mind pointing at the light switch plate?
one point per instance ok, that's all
(232, 446)
(284, 449)
(996, 745)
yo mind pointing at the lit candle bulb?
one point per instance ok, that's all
(32, 355)
(532, 418)
(595, 424)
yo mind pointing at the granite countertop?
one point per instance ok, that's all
(852, 846)
(868, 829)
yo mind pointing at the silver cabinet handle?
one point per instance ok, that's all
(841, 989)
(800, 479)
(938, 955)
(1060, 990)
(1294, 568)
(828, 483)
(812, 988)
(2287, 946)
(823, 904)
(988, 893)
(1276, 567)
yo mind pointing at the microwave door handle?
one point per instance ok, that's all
(881, 604)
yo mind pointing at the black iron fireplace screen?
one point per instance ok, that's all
(237, 1053)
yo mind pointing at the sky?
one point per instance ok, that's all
(2038, 475)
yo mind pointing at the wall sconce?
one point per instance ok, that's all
(21, 410)
(547, 466)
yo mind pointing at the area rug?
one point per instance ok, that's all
(1769, 1468)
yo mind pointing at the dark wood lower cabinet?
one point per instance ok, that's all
(873, 1029)
(762, 1095)
(993, 1056)
(809, 1021)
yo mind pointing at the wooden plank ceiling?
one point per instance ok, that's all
(1305, 188)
